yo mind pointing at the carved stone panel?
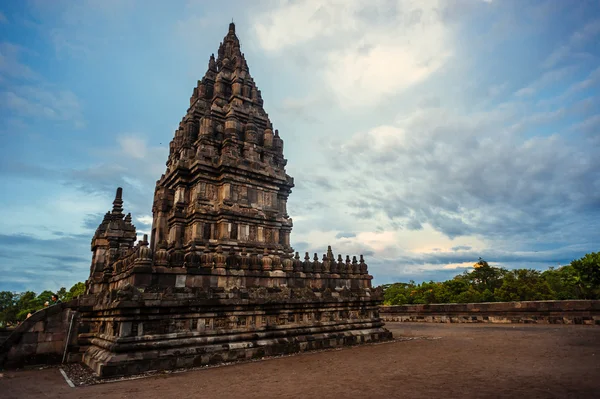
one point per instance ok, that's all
(253, 233)
(268, 235)
(253, 196)
(225, 192)
(244, 232)
(243, 193)
(261, 235)
(180, 194)
(211, 192)
(220, 322)
(200, 191)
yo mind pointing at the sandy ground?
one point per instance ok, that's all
(467, 361)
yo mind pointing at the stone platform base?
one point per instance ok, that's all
(168, 354)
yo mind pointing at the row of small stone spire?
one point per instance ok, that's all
(141, 253)
(194, 258)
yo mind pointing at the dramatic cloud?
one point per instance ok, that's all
(26, 95)
(46, 263)
(437, 168)
(421, 134)
(364, 53)
(34, 102)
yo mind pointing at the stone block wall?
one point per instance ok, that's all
(4, 333)
(542, 312)
(40, 339)
(160, 331)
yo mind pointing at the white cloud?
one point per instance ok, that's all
(590, 126)
(525, 91)
(446, 174)
(131, 164)
(548, 78)
(133, 146)
(586, 34)
(28, 95)
(11, 66)
(592, 80)
(496, 90)
(379, 139)
(50, 211)
(289, 24)
(72, 27)
(365, 52)
(145, 219)
(45, 103)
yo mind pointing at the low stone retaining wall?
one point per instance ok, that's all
(543, 312)
(40, 339)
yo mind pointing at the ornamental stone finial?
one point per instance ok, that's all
(118, 202)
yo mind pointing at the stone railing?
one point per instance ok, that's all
(39, 339)
(543, 312)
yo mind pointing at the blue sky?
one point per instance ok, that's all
(423, 134)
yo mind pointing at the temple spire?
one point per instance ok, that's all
(118, 202)
(212, 63)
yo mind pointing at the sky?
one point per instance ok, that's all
(423, 134)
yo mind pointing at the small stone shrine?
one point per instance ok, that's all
(218, 281)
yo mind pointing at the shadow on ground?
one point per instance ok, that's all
(469, 360)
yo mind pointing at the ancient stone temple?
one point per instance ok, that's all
(218, 280)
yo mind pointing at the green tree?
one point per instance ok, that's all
(523, 285)
(485, 276)
(8, 308)
(62, 293)
(588, 269)
(27, 303)
(44, 296)
(455, 288)
(564, 282)
(397, 294)
(76, 290)
(469, 296)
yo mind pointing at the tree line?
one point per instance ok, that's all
(484, 283)
(14, 307)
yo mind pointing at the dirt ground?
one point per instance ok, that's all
(467, 361)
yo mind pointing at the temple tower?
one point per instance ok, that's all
(114, 237)
(225, 183)
(219, 263)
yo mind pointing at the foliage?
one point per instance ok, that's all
(485, 283)
(14, 307)
(588, 269)
(74, 292)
